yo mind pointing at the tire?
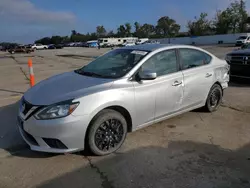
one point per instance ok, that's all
(100, 128)
(212, 104)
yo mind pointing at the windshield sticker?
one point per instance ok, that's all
(139, 52)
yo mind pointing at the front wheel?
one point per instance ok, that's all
(107, 132)
(214, 98)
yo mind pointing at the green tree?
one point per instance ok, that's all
(56, 40)
(146, 30)
(73, 32)
(121, 31)
(200, 26)
(128, 29)
(111, 34)
(167, 27)
(45, 41)
(233, 19)
(100, 31)
(138, 32)
(238, 15)
(137, 26)
(222, 22)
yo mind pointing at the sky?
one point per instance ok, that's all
(24, 21)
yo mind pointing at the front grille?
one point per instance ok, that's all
(27, 106)
(240, 59)
(29, 109)
(54, 143)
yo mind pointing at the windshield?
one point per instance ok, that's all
(242, 37)
(114, 64)
(245, 46)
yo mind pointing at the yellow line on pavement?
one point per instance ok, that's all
(14, 97)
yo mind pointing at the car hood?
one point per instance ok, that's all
(63, 87)
(240, 52)
(240, 40)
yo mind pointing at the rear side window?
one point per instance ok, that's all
(191, 58)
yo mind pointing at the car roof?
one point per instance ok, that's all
(152, 47)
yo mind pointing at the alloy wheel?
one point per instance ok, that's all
(109, 135)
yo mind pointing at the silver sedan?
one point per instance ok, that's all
(122, 91)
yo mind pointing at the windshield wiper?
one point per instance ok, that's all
(92, 74)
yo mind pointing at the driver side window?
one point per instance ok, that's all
(162, 63)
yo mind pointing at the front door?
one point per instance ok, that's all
(198, 77)
(162, 96)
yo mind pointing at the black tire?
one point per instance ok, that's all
(214, 98)
(100, 127)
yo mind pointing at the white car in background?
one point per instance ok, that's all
(243, 39)
(39, 47)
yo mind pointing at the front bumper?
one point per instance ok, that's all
(240, 71)
(62, 135)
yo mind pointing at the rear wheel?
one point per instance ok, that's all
(214, 98)
(107, 132)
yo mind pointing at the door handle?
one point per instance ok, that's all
(208, 75)
(176, 83)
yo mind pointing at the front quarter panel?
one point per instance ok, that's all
(120, 94)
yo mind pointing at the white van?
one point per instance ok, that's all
(243, 39)
(110, 41)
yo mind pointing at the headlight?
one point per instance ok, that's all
(56, 111)
(228, 57)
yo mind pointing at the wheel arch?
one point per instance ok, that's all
(122, 110)
(218, 83)
(117, 108)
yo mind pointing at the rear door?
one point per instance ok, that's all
(198, 76)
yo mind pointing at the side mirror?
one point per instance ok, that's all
(147, 75)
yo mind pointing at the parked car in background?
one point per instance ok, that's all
(39, 47)
(239, 61)
(92, 43)
(122, 91)
(55, 46)
(243, 39)
(151, 42)
(85, 44)
(20, 49)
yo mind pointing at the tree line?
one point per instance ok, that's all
(233, 19)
